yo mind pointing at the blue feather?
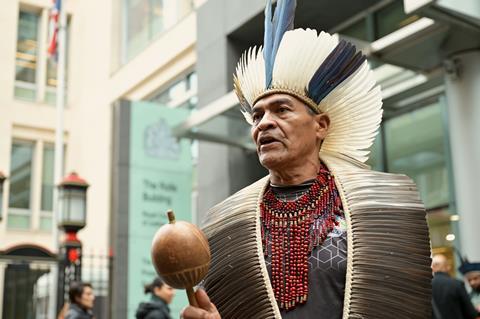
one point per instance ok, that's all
(274, 31)
(342, 62)
(268, 42)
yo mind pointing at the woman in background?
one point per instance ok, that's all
(157, 307)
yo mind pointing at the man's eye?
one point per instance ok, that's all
(256, 117)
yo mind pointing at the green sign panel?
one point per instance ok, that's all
(160, 178)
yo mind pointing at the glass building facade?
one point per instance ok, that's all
(143, 21)
(413, 138)
(414, 135)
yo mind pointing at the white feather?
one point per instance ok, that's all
(354, 106)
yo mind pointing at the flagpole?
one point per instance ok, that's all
(58, 163)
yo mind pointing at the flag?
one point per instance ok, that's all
(53, 30)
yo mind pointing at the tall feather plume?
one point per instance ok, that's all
(268, 43)
(274, 31)
(339, 65)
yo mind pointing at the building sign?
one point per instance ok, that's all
(159, 174)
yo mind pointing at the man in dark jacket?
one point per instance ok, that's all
(450, 299)
(81, 301)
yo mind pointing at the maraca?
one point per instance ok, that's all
(181, 255)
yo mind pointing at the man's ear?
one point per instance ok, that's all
(323, 122)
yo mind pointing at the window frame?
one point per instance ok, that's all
(41, 88)
(35, 212)
(15, 210)
(437, 98)
(191, 91)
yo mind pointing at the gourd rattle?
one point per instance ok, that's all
(181, 255)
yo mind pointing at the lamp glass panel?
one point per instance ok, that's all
(61, 205)
(77, 206)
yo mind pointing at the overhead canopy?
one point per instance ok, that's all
(408, 56)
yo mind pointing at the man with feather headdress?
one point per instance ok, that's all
(471, 273)
(322, 236)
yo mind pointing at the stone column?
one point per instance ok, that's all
(463, 96)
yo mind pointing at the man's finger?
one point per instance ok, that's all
(191, 312)
(204, 301)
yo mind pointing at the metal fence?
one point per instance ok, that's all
(25, 285)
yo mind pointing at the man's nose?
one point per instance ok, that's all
(266, 122)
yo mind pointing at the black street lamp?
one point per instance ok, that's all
(72, 210)
(2, 179)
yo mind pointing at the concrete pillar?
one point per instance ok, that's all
(463, 96)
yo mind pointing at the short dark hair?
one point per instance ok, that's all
(76, 290)
(157, 282)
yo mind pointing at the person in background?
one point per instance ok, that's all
(157, 307)
(449, 297)
(81, 301)
(471, 271)
(63, 311)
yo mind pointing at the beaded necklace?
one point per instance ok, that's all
(292, 229)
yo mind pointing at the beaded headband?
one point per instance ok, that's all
(326, 74)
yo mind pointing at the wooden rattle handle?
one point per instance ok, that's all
(191, 297)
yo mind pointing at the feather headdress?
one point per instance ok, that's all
(326, 74)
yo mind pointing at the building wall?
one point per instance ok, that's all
(92, 88)
(86, 120)
(222, 170)
(95, 82)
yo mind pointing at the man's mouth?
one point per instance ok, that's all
(265, 140)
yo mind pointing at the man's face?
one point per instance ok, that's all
(87, 298)
(285, 131)
(474, 280)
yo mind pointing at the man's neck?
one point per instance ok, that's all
(294, 175)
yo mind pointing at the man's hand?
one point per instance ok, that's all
(205, 310)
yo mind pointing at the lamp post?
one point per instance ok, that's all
(2, 179)
(72, 202)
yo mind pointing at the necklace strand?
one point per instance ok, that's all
(291, 230)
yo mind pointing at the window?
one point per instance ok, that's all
(46, 204)
(28, 210)
(27, 56)
(182, 93)
(375, 25)
(36, 73)
(144, 20)
(391, 18)
(358, 30)
(20, 185)
(424, 160)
